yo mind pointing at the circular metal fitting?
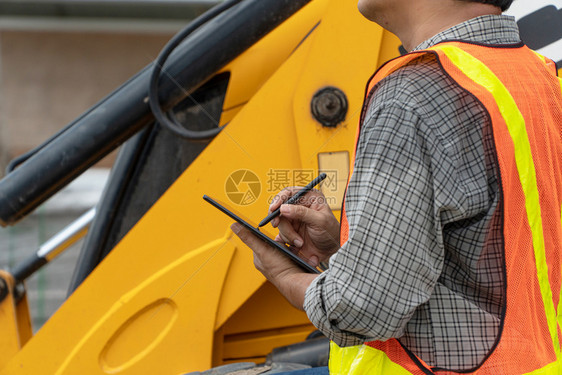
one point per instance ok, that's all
(329, 106)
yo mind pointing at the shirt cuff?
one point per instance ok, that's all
(315, 308)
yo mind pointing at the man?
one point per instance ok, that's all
(449, 256)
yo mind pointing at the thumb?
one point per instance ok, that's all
(245, 235)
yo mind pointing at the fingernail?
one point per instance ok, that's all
(285, 208)
(275, 222)
(235, 228)
(298, 242)
(314, 261)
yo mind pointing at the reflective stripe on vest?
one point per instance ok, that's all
(528, 139)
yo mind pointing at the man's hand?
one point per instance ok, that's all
(309, 226)
(282, 272)
(313, 233)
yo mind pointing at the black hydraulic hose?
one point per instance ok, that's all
(13, 164)
(126, 111)
(168, 121)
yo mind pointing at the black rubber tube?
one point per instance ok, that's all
(168, 120)
(112, 121)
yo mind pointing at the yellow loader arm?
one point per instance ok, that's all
(179, 293)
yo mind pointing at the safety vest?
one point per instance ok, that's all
(528, 139)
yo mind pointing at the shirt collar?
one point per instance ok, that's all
(488, 29)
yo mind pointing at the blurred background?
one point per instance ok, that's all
(57, 59)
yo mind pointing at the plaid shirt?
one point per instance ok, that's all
(423, 262)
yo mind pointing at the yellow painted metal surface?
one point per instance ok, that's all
(14, 320)
(179, 293)
(122, 336)
(23, 319)
(388, 47)
(251, 70)
(336, 165)
(9, 341)
(265, 321)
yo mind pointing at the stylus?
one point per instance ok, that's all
(294, 199)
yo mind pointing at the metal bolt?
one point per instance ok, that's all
(3, 289)
(329, 106)
(19, 292)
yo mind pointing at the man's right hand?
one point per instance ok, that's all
(309, 226)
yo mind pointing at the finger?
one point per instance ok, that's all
(289, 234)
(304, 214)
(314, 198)
(313, 261)
(282, 239)
(288, 192)
(247, 237)
(279, 199)
(286, 240)
(282, 197)
(310, 259)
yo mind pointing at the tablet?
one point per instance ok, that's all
(254, 229)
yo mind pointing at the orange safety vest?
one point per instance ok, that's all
(528, 139)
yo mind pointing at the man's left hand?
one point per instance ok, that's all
(282, 272)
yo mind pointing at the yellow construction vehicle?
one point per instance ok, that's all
(260, 94)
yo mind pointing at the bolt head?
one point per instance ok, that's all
(3, 289)
(329, 106)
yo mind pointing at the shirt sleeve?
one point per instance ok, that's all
(393, 257)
